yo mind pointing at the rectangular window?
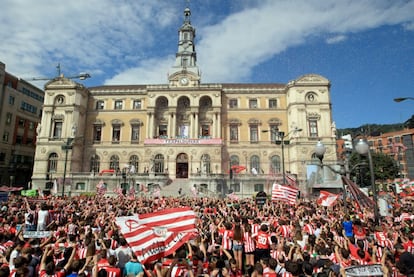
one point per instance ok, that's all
(135, 134)
(21, 123)
(163, 131)
(11, 100)
(100, 105)
(137, 104)
(233, 103)
(31, 125)
(9, 118)
(5, 136)
(19, 139)
(234, 133)
(80, 186)
(274, 131)
(235, 187)
(272, 103)
(205, 130)
(57, 130)
(2, 157)
(97, 133)
(29, 141)
(118, 104)
(253, 103)
(258, 187)
(313, 128)
(254, 134)
(116, 133)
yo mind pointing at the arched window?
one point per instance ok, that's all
(234, 160)
(205, 164)
(133, 164)
(159, 163)
(114, 162)
(52, 163)
(255, 164)
(275, 165)
(95, 163)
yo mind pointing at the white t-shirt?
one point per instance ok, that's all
(42, 218)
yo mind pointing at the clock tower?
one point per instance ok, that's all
(185, 71)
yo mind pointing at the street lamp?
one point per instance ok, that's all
(281, 135)
(362, 148)
(66, 147)
(400, 99)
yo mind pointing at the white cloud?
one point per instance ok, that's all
(335, 39)
(123, 41)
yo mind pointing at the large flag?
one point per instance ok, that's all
(327, 198)
(291, 180)
(362, 200)
(155, 235)
(131, 193)
(284, 193)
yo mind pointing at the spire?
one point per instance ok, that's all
(186, 57)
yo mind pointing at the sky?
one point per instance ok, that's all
(365, 47)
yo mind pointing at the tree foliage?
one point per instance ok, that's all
(376, 129)
(385, 167)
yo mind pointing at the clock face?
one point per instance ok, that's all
(184, 81)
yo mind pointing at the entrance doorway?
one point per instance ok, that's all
(182, 166)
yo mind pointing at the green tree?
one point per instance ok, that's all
(385, 168)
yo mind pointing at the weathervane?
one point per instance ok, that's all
(81, 76)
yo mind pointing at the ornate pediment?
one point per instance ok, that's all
(313, 115)
(254, 121)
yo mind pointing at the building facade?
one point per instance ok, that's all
(399, 145)
(20, 112)
(183, 133)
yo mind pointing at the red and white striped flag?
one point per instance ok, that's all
(233, 196)
(284, 193)
(155, 235)
(291, 180)
(118, 191)
(327, 198)
(131, 193)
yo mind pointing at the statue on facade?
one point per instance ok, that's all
(333, 129)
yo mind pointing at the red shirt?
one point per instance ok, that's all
(112, 271)
(262, 240)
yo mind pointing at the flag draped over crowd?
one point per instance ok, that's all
(361, 199)
(284, 193)
(158, 234)
(404, 187)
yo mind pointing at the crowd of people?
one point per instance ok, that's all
(78, 236)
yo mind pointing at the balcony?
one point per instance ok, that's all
(183, 141)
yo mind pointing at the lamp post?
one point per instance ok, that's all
(66, 147)
(400, 99)
(362, 148)
(281, 135)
